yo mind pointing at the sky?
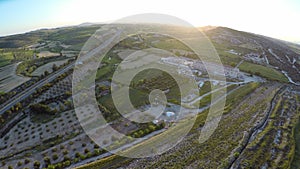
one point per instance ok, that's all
(274, 18)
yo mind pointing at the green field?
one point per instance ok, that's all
(8, 55)
(5, 58)
(220, 136)
(263, 71)
(169, 44)
(296, 161)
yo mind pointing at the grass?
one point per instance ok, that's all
(263, 71)
(137, 99)
(9, 55)
(260, 149)
(114, 160)
(296, 160)
(212, 150)
(5, 58)
(169, 44)
(226, 57)
(74, 36)
(48, 67)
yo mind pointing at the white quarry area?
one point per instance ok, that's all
(257, 58)
(198, 68)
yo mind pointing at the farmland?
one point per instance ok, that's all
(45, 127)
(47, 67)
(9, 80)
(263, 71)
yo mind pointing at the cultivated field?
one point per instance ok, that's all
(47, 54)
(8, 79)
(47, 67)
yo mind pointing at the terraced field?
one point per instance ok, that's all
(273, 145)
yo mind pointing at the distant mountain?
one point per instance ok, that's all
(277, 54)
(86, 24)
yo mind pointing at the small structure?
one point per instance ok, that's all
(170, 114)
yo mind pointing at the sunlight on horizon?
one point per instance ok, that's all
(275, 18)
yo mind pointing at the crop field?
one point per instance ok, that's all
(58, 89)
(263, 71)
(57, 139)
(47, 54)
(5, 58)
(9, 79)
(274, 146)
(221, 144)
(47, 67)
(8, 55)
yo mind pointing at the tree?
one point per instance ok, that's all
(36, 165)
(47, 160)
(54, 67)
(41, 109)
(26, 161)
(54, 156)
(46, 73)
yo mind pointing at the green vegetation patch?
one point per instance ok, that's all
(263, 71)
(296, 159)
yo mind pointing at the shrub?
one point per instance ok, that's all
(36, 165)
(86, 150)
(96, 146)
(54, 156)
(89, 155)
(66, 158)
(54, 149)
(67, 163)
(77, 154)
(20, 163)
(26, 161)
(65, 152)
(47, 160)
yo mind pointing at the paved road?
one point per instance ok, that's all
(27, 92)
(122, 148)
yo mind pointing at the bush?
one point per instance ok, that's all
(97, 152)
(54, 156)
(65, 152)
(89, 155)
(66, 158)
(47, 160)
(54, 149)
(86, 150)
(36, 165)
(26, 161)
(66, 163)
(77, 154)
(20, 163)
(41, 109)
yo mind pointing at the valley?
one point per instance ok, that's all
(48, 119)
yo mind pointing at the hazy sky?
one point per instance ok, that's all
(275, 18)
